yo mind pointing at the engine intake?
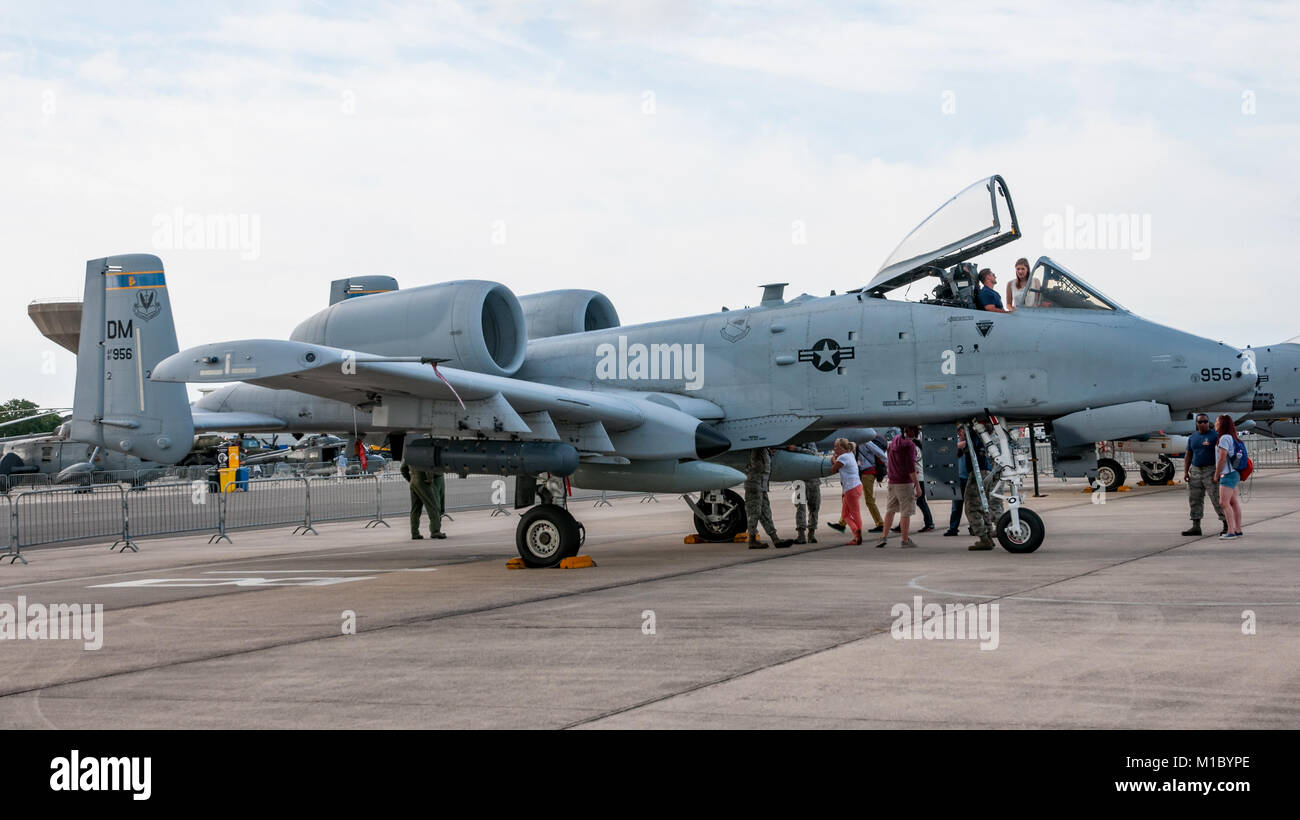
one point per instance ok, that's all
(560, 312)
(476, 325)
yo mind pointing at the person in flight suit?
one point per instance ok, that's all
(426, 494)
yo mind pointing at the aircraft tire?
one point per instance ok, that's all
(1021, 543)
(1111, 474)
(1162, 473)
(546, 535)
(729, 527)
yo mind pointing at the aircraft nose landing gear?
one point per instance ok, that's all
(1019, 530)
(1027, 537)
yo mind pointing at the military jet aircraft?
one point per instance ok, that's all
(671, 406)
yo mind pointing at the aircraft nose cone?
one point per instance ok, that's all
(709, 442)
(1214, 374)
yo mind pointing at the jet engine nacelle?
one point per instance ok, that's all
(560, 312)
(474, 325)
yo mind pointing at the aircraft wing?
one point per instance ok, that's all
(407, 393)
(206, 421)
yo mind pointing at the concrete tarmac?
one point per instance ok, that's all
(1117, 621)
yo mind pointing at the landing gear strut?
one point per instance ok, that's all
(719, 514)
(1019, 529)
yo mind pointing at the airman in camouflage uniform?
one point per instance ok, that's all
(758, 509)
(805, 514)
(982, 523)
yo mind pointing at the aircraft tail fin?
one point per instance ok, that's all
(126, 329)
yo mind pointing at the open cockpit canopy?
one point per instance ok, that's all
(975, 221)
(978, 219)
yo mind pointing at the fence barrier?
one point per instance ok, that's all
(11, 549)
(62, 514)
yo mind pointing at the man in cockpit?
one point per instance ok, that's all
(987, 298)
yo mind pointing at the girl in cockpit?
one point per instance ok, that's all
(1022, 291)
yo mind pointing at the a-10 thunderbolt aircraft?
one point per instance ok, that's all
(672, 406)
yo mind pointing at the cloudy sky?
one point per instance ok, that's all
(673, 155)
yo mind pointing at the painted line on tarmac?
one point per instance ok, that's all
(297, 556)
(311, 569)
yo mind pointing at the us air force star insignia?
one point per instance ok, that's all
(984, 327)
(146, 304)
(826, 354)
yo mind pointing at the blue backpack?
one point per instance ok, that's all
(1239, 457)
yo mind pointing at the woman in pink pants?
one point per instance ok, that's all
(846, 464)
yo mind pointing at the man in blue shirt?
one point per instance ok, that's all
(954, 518)
(988, 298)
(1198, 472)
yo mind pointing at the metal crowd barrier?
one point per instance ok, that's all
(11, 549)
(62, 514)
(266, 502)
(171, 508)
(394, 495)
(1273, 452)
(19, 481)
(338, 499)
(1265, 452)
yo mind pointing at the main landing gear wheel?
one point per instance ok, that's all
(1157, 473)
(1028, 538)
(726, 510)
(546, 535)
(1110, 474)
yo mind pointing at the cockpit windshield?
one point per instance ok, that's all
(1052, 286)
(978, 219)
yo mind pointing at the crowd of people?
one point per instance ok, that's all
(895, 465)
(1214, 465)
